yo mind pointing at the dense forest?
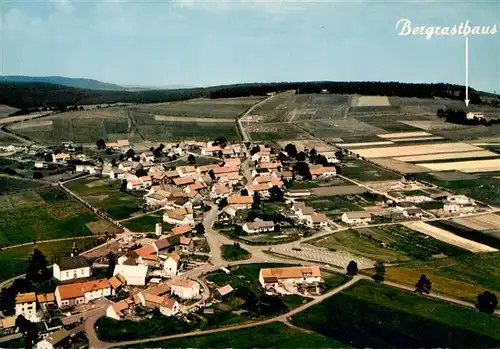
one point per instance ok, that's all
(29, 95)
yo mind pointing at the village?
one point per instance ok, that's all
(247, 194)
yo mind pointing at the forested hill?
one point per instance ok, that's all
(65, 81)
(29, 95)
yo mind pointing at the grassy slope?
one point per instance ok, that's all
(14, 260)
(370, 315)
(274, 335)
(146, 224)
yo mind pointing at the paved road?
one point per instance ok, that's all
(244, 134)
(247, 173)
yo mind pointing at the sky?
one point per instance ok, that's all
(206, 43)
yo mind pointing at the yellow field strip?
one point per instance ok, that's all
(191, 119)
(347, 145)
(405, 134)
(447, 156)
(449, 238)
(465, 166)
(430, 138)
(385, 152)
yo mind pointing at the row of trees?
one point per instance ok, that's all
(487, 301)
(459, 116)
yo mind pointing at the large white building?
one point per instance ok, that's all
(26, 306)
(185, 289)
(281, 279)
(134, 274)
(72, 268)
(356, 217)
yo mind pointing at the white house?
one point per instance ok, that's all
(180, 216)
(185, 289)
(26, 306)
(280, 279)
(186, 171)
(458, 199)
(90, 168)
(296, 193)
(258, 226)
(171, 264)
(68, 295)
(116, 173)
(330, 157)
(356, 217)
(40, 164)
(126, 166)
(240, 202)
(316, 220)
(54, 340)
(59, 158)
(168, 306)
(453, 208)
(133, 274)
(413, 213)
(147, 157)
(72, 268)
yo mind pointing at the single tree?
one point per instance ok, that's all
(275, 193)
(100, 144)
(256, 201)
(29, 331)
(220, 154)
(487, 302)
(158, 152)
(152, 149)
(255, 150)
(211, 173)
(141, 172)
(238, 230)
(291, 150)
(379, 272)
(191, 159)
(423, 285)
(113, 163)
(244, 192)
(200, 228)
(302, 169)
(222, 203)
(36, 270)
(282, 157)
(352, 268)
(339, 155)
(100, 160)
(111, 264)
(301, 156)
(130, 153)
(123, 186)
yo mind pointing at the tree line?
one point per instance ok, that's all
(58, 97)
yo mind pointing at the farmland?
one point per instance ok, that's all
(335, 205)
(152, 122)
(146, 224)
(389, 244)
(414, 150)
(485, 237)
(45, 213)
(14, 259)
(275, 335)
(371, 315)
(462, 277)
(105, 194)
(13, 184)
(363, 171)
(472, 166)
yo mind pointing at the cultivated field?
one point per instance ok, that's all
(389, 244)
(45, 213)
(404, 135)
(364, 144)
(386, 152)
(431, 125)
(449, 238)
(191, 119)
(364, 171)
(370, 101)
(450, 176)
(489, 223)
(6, 110)
(338, 190)
(368, 315)
(417, 139)
(105, 194)
(486, 237)
(461, 277)
(472, 166)
(448, 156)
(399, 166)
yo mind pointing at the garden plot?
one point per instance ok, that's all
(473, 166)
(306, 144)
(448, 156)
(448, 237)
(388, 152)
(450, 176)
(338, 190)
(323, 255)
